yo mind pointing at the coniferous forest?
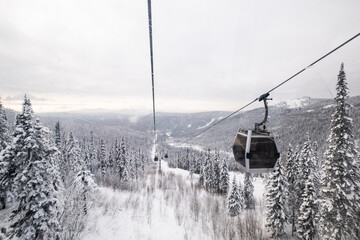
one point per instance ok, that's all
(71, 179)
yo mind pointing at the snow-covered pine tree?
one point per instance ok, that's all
(275, 202)
(316, 172)
(111, 158)
(224, 178)
(249, 192)
(16, 156)
(216, 172)
(187, 160)
(234, 204)
(290, 193)
(122, 161)
(303, 172)
(77, 179)
(57, 135)
(5, 140)
(85, 188)
(241, 191)
(131, 165)
(92, 154)
(307, 213)
(102, 158)
(202, 171)
(339, 211)
(36, 216)
(192, 165)
(209, 172)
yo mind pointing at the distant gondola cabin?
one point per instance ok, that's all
(156, 158)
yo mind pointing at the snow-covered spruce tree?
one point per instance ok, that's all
(339, 209)
(17, 155)
(57, 135)
(241, 191)
(302, 173)
(307, 213)
(36, 216)
(234, 204)
(316, 170)
(308, 208)
(92, 161)
(78, 190)
(209, 172)
(290, 175)
(192, 165)
(102, 158)
(249, 192)
(121, 159)
(275, 202)
(130, 165)
(202, 172)
(216, 172)
(5, 140)
(224, 178)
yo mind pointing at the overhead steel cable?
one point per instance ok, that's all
(152, 61)
(277, 86)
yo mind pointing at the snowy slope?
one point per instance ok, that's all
(165, 205)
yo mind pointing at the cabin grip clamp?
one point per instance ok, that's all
(263, 97)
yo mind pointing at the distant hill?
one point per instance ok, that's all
(288, 122)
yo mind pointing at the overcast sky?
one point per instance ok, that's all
(208, 54)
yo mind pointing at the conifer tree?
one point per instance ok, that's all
(36, 216)
(57, 135)
(122, 160)
(16, 156)
(202, 172)
(339, 212)
(224, 178)
(307, 213)
(79, 189)
(102, 158)
(208, 172)
(234, 203)
(249, 192)
(131, 165)
(290, 193)
(316, 170)
(216, 172)
(92, 154)
(241, 191)
(275, 202)
(4, 142)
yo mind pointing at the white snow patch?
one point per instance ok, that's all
(328, 106)
(208, 124)
(311, 110)
(189, 126)
(301, 102)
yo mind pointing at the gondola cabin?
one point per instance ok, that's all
(156, 158)
(166, 155)
(256, 152)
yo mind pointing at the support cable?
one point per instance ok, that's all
(152, 61)
(277, 86)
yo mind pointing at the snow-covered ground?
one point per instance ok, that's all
(167, 204)
(206, 125)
